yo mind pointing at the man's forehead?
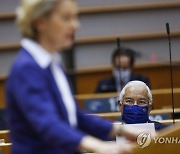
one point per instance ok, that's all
(134, 91)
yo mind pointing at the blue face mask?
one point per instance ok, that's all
(135, 114)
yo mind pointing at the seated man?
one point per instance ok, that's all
(122, 63)
(135, 104)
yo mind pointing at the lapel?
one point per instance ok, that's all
(52, 87)
(56, 95)
(67, 78)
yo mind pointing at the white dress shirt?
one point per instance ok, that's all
(44, 59)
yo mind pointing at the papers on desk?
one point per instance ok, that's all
(139, 128)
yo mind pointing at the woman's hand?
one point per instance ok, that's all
(92, 144)
(113, 148)
(129, 133)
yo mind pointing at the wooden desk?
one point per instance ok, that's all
(161, 97)
(162, 147)
(2, 91)
(4, 134)
(117, 114)
(114, 115)
(5, 148)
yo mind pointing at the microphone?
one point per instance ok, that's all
(168, 29)
(171, 73)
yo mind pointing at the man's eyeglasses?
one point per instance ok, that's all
(139, 102)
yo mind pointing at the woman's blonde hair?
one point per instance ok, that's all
(30, 11)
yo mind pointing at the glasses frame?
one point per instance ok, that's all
(139, 102)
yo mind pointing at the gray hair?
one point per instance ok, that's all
(137, 83)
(30, 11)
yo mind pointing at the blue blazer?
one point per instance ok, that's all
(37, 117)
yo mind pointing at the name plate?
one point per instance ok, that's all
(101, 105)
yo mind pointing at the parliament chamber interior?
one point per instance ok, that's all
(140, 25)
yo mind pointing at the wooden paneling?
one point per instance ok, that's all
(5, 47)
(129, 7)
(117, 8)
(6, 16)
(86, 83)
(104, 39)
(158, 74)
(129, 37)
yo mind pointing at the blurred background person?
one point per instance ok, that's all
(135, 104)
(42, 113)
(123, 60)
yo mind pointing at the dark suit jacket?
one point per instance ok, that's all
(158, 125)
(37, 116)
(109, 84)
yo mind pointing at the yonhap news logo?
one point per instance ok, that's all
(167, 140)
(144, 139)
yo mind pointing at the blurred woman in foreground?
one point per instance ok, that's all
(43, 115)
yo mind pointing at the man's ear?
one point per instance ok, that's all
(150, 108)
(119, 106)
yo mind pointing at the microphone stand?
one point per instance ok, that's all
(171, 73)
